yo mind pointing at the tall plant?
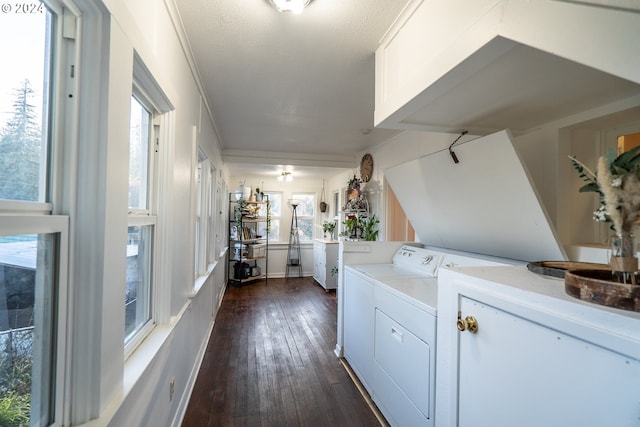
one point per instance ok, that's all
(617, 183)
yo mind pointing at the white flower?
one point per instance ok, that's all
(616, 182)
(600, 215)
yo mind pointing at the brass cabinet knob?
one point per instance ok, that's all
(469, 323)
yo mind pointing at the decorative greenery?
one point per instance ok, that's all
(328, 227)
(361, 226)
(369, 227)
(15, 409)
(16, 363)
(334, 270)
(268, 216)
(238, 209)
(617, 183)
(350, 225)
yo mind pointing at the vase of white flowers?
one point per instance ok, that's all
(617, 183)
(624, 261)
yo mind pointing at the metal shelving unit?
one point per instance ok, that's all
(248, 240)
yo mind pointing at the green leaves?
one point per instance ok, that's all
(586, 175)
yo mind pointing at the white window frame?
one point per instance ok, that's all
(204, 235)
(41, 217)
(278, 239)
(294, 195)
(148, 92)
(212, 256)
(143, 218)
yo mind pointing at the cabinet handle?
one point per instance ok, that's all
(399, 336)
(469, 323)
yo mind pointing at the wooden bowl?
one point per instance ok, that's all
(596, 286)
(559, 268)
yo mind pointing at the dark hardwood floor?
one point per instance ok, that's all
(270, 362)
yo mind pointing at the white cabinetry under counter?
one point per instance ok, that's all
(358, 325)
(538, 357)
(325, 260)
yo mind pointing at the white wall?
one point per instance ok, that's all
(109, 387)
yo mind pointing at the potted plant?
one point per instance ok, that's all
(350, 226)
(259, 195)
(328, 227)
(369, 227)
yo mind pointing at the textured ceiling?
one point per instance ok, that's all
(296, 87)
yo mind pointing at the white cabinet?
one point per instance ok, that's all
(537, 358)
(325, 259)
(431, 78)
(358, 326)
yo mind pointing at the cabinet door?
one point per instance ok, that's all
(516, 372)
(318, 262)
(358, 326)
(331, 261)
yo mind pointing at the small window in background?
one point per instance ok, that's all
(275, 208)
(306, 214)
(204, 220)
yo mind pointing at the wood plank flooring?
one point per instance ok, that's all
(270, 362)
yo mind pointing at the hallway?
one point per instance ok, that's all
(270, 362)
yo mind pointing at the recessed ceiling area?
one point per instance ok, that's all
(299, 87)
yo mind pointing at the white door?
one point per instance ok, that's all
(516, 372)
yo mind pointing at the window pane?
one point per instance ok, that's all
(24, 103)
(138, 290)
(306, 206)
(275, 208)
(274, 233)
(27, 326)
(139, 133)
(275, 201)
(306, 229)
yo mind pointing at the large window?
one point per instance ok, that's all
(306, 214)
(142, 221)
(33, 242)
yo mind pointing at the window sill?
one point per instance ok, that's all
(201, 280)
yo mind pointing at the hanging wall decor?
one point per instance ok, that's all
(323, 204)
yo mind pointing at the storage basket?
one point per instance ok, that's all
(257, 250)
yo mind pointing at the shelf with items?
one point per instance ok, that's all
(355, 209)
(357, 221)
(248, 239)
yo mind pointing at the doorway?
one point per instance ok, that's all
(398, 226)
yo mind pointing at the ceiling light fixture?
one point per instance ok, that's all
(294, 6)
(285, 176)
